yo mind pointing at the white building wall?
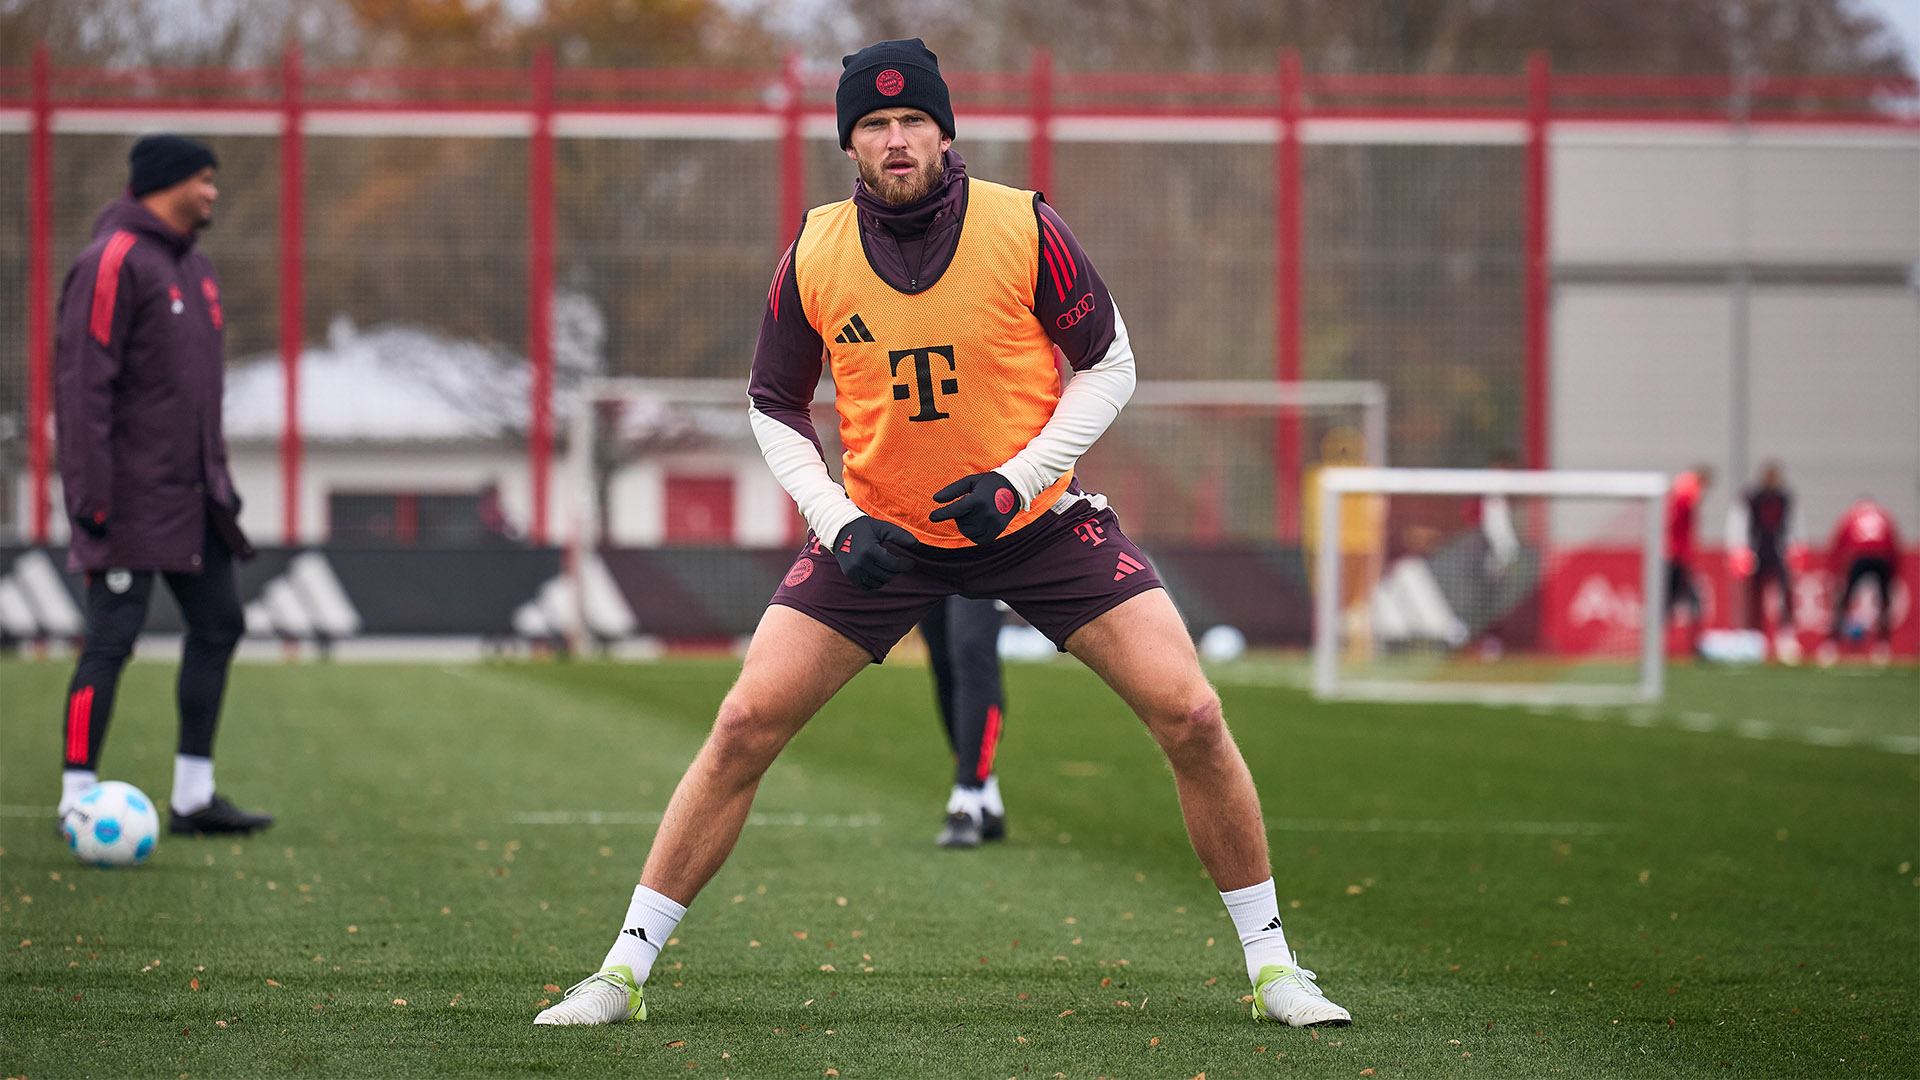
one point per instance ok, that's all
(1646, 229)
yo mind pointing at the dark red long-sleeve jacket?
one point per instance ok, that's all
(139, 370)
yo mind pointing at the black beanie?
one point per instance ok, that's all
(161, 161)
(891, 75)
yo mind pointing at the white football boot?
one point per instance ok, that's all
(1287, 995)
(608, 996)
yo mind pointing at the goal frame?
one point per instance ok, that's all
(1336, 483)
(579, 499)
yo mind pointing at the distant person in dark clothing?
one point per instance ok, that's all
(963, 645)
(139, 370)
(1769, 520)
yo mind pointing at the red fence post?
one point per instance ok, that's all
(793, 158)
(1539, 269)
(39, 295)
(1040, 104)
(292, 287)
(1286, 320)
(540, 288)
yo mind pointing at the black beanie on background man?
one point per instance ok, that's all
(891, 75)
(161, 161)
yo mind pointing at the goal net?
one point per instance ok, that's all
(676, 528)
(1489, 585)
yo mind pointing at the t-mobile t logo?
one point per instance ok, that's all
(923, 368)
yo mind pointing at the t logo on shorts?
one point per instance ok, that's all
(923, 360)
(1089, 532)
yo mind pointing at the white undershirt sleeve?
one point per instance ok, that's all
(797, 464)
(1089, 404)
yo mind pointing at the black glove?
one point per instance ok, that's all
(860, 549)
(980, 504)
(94, 524)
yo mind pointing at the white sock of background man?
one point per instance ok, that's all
(192, 783)
(1256, 917)
(649, 923)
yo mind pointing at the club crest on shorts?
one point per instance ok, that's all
(802, 570)
(119, 581)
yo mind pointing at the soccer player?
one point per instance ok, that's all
(963, 645)
(1769, 519)
(1683, 501)
(138, 377)
(937, 301)
(1865, 545)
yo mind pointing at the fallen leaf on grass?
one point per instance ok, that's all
(1066, 1012)
(270, 982)
(676, 1043)
(1366, 1072)
(1155, 1041)
(193, 983)
(1023, 1038)
(542, 1003)
(833, 1072)
(551, 988)
(399, 1001)
(219, 1023)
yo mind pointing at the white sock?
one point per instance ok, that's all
(73, 784)
(990, 797)
(192, 783)
(649, 923)
(966, 800)
(1256, 917)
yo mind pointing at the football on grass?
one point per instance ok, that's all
(113, 824)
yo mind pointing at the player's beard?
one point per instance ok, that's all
(901, 190)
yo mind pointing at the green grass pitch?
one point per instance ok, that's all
(1492, 892)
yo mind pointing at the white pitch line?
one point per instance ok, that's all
(632, 817)
(1383, 825)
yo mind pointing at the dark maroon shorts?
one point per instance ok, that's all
(1059, 573)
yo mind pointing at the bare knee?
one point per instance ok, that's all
(1198, 728)
(744, 740)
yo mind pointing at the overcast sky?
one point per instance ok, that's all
(1903, 16)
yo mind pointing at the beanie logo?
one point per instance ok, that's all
(890, 82)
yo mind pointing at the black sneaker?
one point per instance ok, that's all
(218, 816)
(993, 827)
(961, 831)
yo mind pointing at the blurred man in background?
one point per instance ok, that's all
(1769, 513)
(1683, 505)
(1865, 545)
(139, 369)
(963, 645)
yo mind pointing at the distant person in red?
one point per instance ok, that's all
(1769, 513)
(1683, 502)
(1865, 544)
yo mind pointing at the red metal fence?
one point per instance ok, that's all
(1115, 120)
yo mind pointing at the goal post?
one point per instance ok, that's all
(665, 499)
(1581, 549)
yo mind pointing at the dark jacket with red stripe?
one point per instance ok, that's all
(139, 370)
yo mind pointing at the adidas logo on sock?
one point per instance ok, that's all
(854, 331)
(641, 931)
(1274, 925)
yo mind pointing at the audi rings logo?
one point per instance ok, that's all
(1079, 311)
(890, 82)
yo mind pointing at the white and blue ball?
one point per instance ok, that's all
(112, 824)
(1221, 644)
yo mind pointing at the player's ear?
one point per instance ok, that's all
(852, 154)
(944, 144)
